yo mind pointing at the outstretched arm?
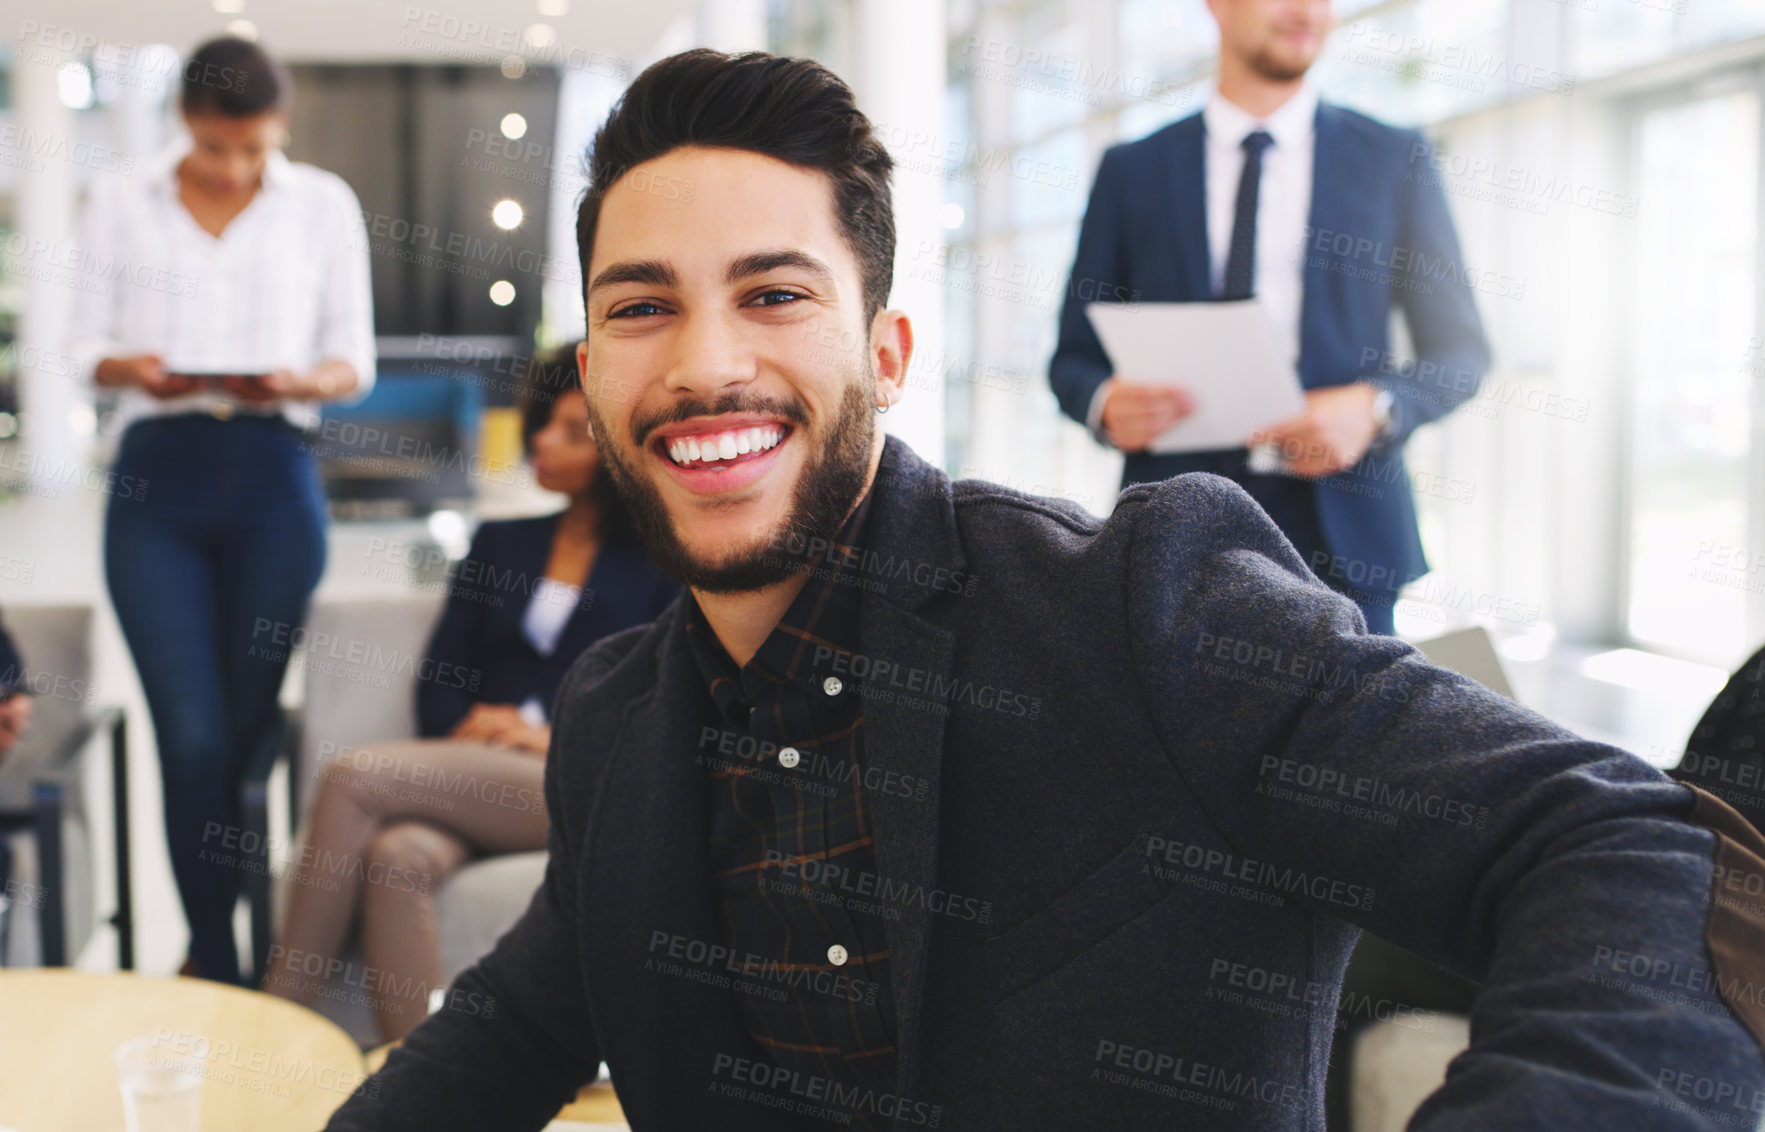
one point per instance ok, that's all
(1570, 878)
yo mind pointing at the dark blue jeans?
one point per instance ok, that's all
(210, 567)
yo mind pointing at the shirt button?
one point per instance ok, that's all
(832, 686)
(789, 757)
(836, 955)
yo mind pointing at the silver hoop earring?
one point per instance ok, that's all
(884, 407)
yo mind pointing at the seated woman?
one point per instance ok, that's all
(390, 822)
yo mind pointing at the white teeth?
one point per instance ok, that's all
(724, 445)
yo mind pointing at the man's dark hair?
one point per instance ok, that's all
(544, 380)
(234, 78)
(794, 110)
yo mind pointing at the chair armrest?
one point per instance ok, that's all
(254, 783)
(62, 763)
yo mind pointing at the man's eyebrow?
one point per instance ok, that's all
(652, 272)
(759, 263)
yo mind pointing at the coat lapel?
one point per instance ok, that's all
(1186, 190)
(645, 868)
(913, 518)
(908, 741)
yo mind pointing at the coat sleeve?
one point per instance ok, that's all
(1099, 273)
(1561, 873)
(458, 642)
(1452, 353)
(12, 673)
(515, 1039)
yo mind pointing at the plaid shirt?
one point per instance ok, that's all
(792, 858)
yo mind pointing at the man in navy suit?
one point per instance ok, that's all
(15, 702)
(1330, 219)
(938, 805)
(15, 713)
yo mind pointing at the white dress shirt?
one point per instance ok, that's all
(284, 286)
(1283, 208)
(1283, 203)
(1283, 212)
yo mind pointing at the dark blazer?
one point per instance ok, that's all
(1108, 851)
(12, 672)
(1380, 237)
(12, 676)
(480, 627)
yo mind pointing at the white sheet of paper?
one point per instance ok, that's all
(1223, 353)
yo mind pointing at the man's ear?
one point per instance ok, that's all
(891, 348)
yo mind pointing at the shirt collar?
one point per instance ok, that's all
(162, 173)
(823, 615)
(1291, 125)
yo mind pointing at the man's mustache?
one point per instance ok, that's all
(734, 401)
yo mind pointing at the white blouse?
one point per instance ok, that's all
(548, 612)
(284, 286)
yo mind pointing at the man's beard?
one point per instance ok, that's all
(827, 490)
(1273, 67)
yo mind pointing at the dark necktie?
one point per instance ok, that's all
(1240, 278)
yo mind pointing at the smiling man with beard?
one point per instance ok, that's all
(833, 843)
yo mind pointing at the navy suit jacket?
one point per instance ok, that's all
(480, 627)
(12, 673)
(1121, 896)
(12, 677)
(1380, 237)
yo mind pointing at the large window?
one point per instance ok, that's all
(1695, 295)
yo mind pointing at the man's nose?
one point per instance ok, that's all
(711, 354)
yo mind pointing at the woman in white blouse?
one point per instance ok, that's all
(226, 296)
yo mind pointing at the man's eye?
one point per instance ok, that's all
(766, 298)
(636, 310)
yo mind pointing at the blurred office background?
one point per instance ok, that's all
(1600, 507)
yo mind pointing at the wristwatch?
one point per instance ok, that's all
(1382, 414)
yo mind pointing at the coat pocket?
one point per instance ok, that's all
(1080, 918)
